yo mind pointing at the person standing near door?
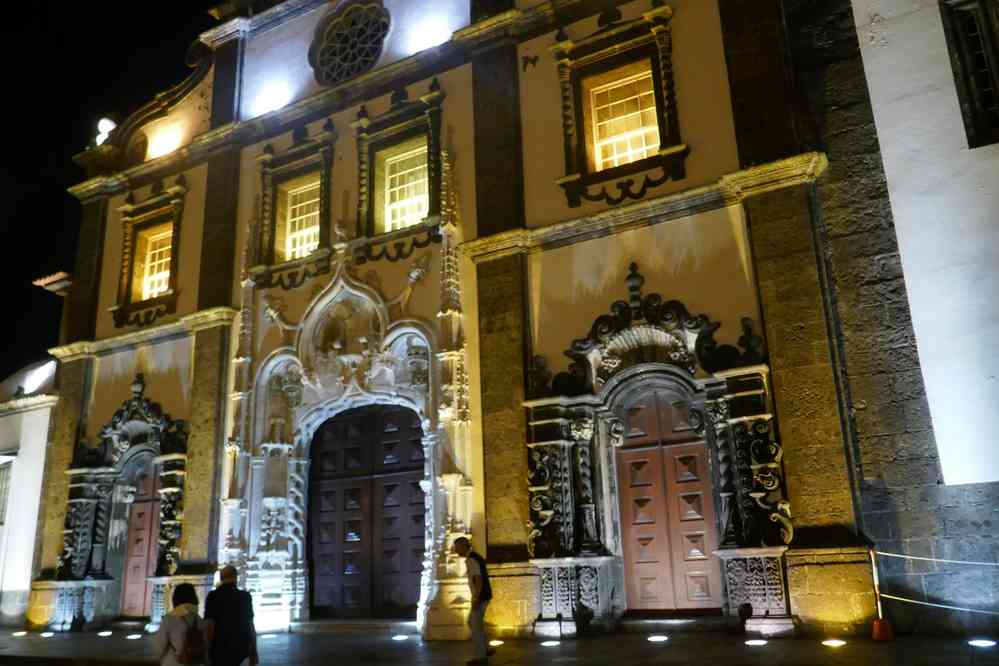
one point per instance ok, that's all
(229, 623)
(482, 592)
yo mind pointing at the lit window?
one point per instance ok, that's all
(623, 118)
(154, 251)
(402, 189)
(406, 200)
(297, 228)
(303, 221)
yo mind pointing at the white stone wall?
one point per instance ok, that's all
(945, 202)
(24, 432)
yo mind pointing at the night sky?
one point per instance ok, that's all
(67, 65)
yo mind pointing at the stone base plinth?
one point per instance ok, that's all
(59, 605)
(832, 590)
(771, 627)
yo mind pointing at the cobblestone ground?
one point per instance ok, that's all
(619, 649)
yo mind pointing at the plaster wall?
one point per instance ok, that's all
(276, 63)
(186, 120)
(24, 437)
(945, 201)
(191, 228)
(167, 367)
(703, 104)
(703, 261)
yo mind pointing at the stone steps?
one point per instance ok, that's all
(359, 626)
(648, 624)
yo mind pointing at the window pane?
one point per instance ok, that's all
(625, 125)
(302, 221)
(155, 266)
(406, 187)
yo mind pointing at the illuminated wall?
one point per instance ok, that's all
(945, 202)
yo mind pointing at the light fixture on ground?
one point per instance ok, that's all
(400, 637)
(756, 642)
(495, 643)
(134, 637)
(104, 634)
(833, 643)
(982, 643)
(657, 638)
(47, 634)
(549, 643)
(18, 634)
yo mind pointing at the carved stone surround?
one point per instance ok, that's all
(101, 491)
(574, 431)
(164, 205)
(618, 43)
(352, 347)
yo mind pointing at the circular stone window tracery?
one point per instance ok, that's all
(349, 42)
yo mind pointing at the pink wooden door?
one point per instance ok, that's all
(141, 549)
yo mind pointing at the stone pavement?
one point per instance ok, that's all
(619, 649)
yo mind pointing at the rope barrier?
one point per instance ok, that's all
(945, 606)
(934, 559)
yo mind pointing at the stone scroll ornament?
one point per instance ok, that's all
(759, 484)
(646, 329)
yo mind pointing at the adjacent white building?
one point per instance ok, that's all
(26, 403)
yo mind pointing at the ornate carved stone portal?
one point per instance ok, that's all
(351, 348)
(102, 478)
(720, 396)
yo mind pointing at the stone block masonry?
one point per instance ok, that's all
(74, 379)
(904, 506)
(205, 446)
(502, 327)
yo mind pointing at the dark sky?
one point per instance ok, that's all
(67, 64)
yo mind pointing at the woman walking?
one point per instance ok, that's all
(180, 640)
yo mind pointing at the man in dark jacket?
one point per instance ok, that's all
(481, 592)
(229, 623)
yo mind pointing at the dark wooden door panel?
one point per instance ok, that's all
(366, 514)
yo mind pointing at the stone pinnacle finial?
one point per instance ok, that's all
(138, 385)
(635, 280)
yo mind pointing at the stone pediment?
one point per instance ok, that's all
(650, 329)
(138, 422)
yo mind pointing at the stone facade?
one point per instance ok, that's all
(774, 324)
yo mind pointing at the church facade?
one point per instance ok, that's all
(571, 279)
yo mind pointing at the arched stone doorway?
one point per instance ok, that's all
(366, 536)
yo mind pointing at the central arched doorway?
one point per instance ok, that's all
(366, 514)
(669, 532)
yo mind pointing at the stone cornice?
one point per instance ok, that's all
(258, 23)
(28, 403)
(513, 24)
(185, 325)
(728, 190)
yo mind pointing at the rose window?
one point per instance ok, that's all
(349, 43)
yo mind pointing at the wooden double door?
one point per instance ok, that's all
(667, 509)
(366, 514)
